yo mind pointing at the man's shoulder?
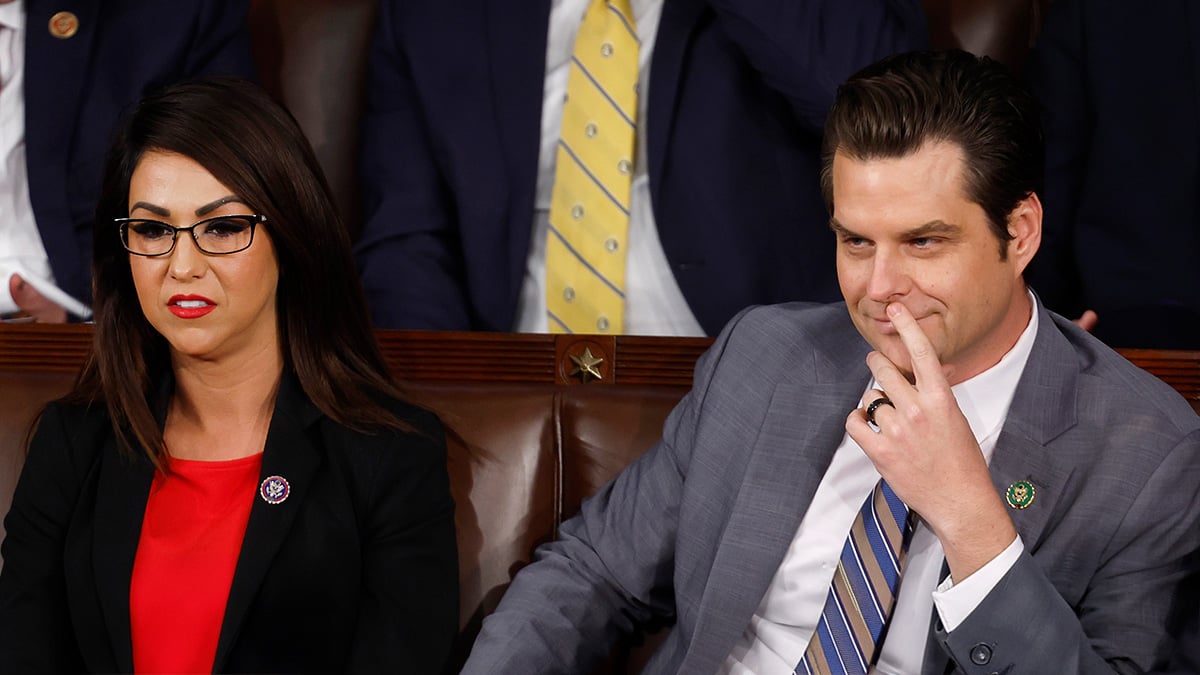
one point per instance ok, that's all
(1111, 385)
(824, 327)
(792, 341)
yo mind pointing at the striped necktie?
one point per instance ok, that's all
(863, 591)
(593, 176)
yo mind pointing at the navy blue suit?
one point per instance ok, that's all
(738, 93)
(76, 89)
(1120, 84)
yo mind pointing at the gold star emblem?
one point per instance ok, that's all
(586, 366)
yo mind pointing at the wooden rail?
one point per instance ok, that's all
(593, 360)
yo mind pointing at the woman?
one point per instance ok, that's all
(234, 484)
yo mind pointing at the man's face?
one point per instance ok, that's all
(907, 233)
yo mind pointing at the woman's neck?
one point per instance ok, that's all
(222, 410)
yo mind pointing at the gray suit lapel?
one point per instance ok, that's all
(803, 427)
(1043, 408)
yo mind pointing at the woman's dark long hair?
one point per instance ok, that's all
(254, 147)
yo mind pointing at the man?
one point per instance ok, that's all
(67, 71)
(1122, 231)
(721, 107)
(1052, 486)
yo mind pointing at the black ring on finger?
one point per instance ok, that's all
(875, 405)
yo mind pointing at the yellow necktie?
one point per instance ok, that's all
(593, 176)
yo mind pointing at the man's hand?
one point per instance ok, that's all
(1087, 320)
(926, 451)
(33, 303)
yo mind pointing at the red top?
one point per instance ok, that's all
(191, 535)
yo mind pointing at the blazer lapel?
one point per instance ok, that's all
(1043, 408)
(516, 50)
(675, 28)
(293, 454)
(802, 429)
(121, 494)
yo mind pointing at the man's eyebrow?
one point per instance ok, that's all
(213, 205)
(931, 228)
(839, 229)
(152, 208)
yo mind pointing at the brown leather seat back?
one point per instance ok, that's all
(604, 429)
(23, 394)
(312, 56)
(1002, 29)
(503, 475)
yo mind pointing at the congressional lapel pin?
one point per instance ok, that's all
(274, 489)
(1020, 494)
(64, 25)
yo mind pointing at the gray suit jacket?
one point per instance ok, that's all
(694, 531)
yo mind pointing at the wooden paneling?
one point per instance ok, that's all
(431, 356)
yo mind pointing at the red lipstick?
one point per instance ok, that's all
(190, 306)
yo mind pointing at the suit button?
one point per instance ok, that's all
(981, 654)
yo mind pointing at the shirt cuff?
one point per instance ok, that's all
(955, 602)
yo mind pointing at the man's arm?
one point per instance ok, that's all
(1125, 617)
(1122, 622)
(409, 250)
(805, 49)
(612, 567)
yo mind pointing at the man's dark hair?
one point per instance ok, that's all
(892, 108)
(253, 146)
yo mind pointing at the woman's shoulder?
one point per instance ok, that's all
(420, 436)
(75, 421)
(393, 466)
(67, 439)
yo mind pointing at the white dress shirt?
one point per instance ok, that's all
(20, 241)
(782, 626)
(654, 305)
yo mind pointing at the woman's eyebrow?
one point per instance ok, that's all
(152, 208)
(213, 205)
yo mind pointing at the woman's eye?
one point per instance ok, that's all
(151, 231)
(224, 228)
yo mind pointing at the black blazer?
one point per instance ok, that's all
(357, 570)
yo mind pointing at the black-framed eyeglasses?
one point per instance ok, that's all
(220, 235)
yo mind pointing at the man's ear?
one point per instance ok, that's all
(1025, 225)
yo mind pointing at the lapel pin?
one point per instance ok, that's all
(64, 25)
(274, 489)
(1020, 494)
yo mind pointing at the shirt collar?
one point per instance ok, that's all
(12, 15)
(985, 398)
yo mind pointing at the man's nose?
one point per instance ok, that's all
(889, 277)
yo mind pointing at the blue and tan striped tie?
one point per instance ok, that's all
(593, 176)
(863, 591)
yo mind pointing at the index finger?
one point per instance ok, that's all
(927, 369)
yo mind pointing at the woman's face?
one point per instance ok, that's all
(208, 307)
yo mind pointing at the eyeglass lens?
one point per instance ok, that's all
(228, 234)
